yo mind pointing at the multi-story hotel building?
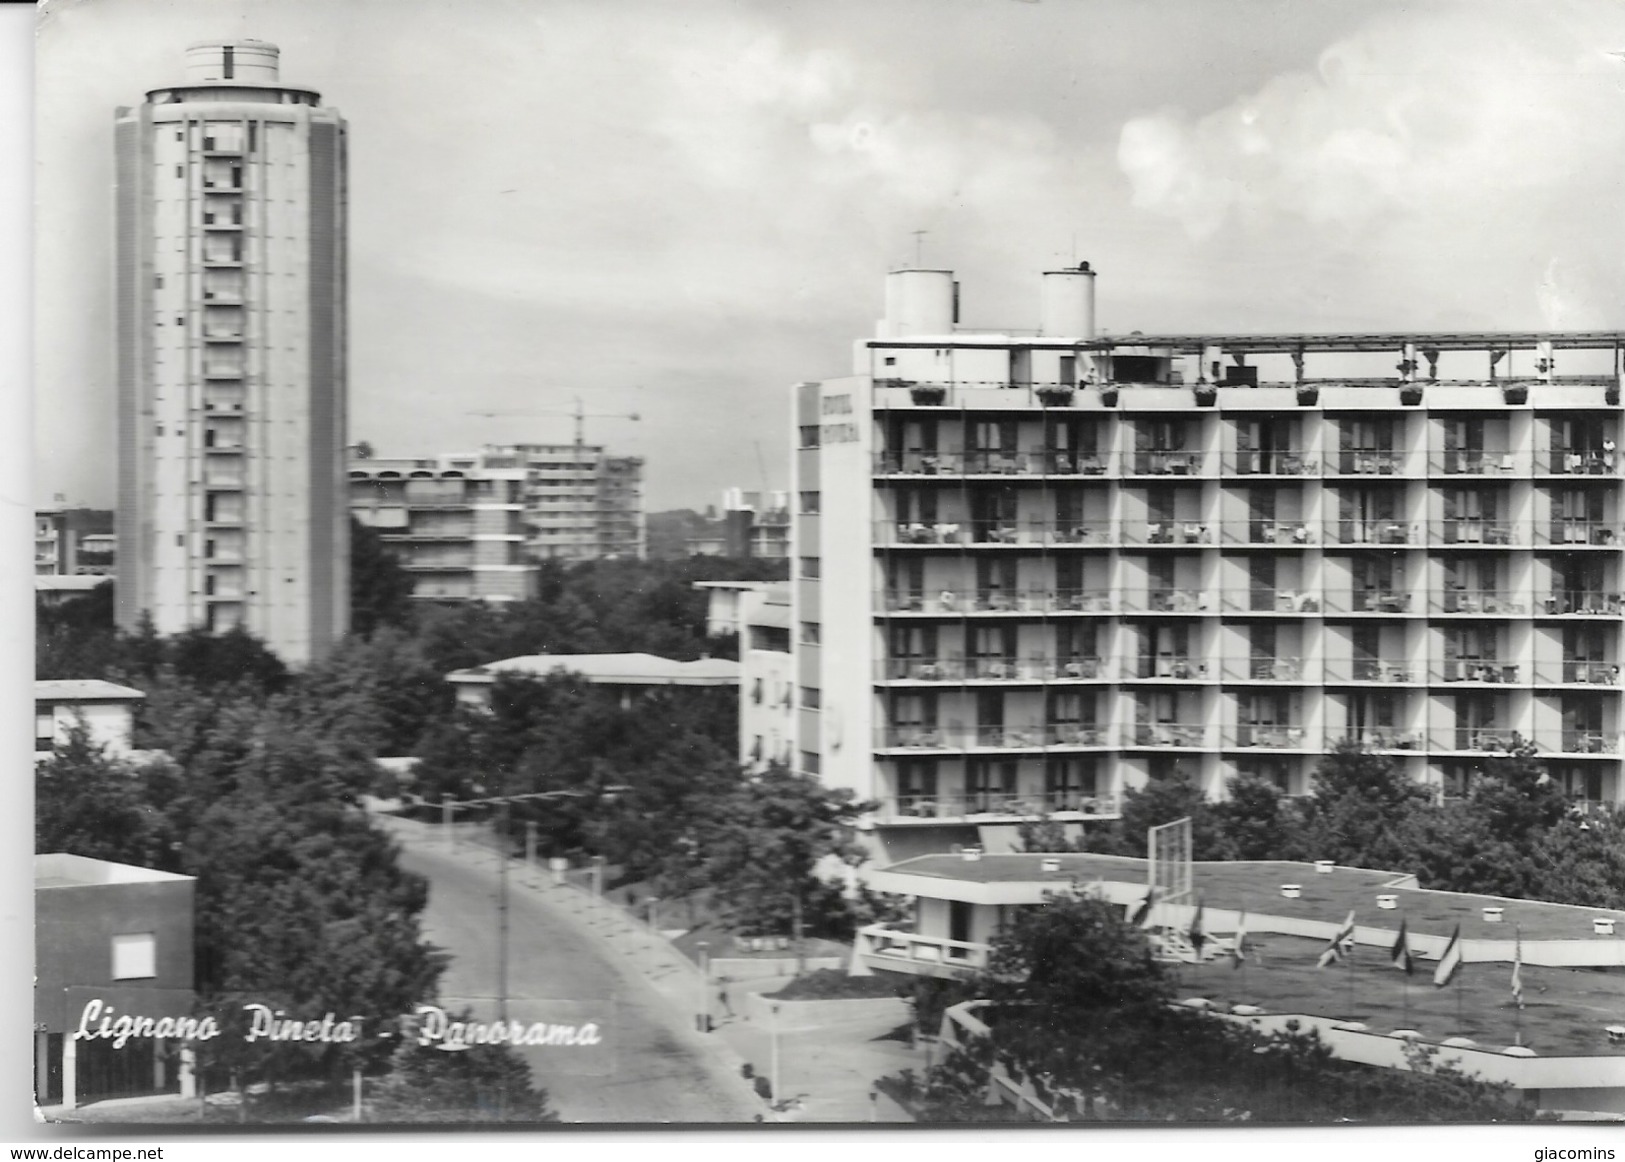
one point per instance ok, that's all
(231, 355)
(581, 504)
(456, 522)
(1034, 571)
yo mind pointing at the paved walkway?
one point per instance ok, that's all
(832, 1069)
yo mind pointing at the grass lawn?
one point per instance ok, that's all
(1564, 1013)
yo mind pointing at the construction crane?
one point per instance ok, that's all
(581, 416)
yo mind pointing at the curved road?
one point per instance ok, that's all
(661, 1070)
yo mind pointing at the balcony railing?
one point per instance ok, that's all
(1368, 601)
(1257, 669)
(1485, 462)
(1167, 533)
(1458, 531)
(1477, 670)
(1576, 532)
(1583, 463)
(884, 947)
(1357, 462)
(962, 601)
(957, 738)
(1270, 600)
(1581, 602)
(1589, 742)
(1179, 669)
(1385, 670)
(1379, 738)
(1481, 738)
(1249, 736)
(1269, 532)
(1176, 734)
(923, 806)
(1159, 463)
(993, 533)
(1037, 668)
(1373, 532)
(991, 463)
(1166, 601)
(1270, 464)
(1586, 673)
(1475, 601)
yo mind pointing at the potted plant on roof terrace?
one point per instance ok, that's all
(928, 394)
(1054, 395)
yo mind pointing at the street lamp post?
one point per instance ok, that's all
(773, 1067)
(704, 948)
(654, 924)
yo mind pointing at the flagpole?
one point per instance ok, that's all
(1517, 993)
(1406, 951)
(1350, 958)
(1459, 974)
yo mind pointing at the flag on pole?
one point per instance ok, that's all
(1238, 950)
(1341, 943)
(1517, 970)
(1402, 950)
(1197, 936)
(1142, 914)
(1450, 961)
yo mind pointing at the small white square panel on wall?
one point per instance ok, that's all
(135, 956)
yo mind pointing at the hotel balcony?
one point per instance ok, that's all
(889, 950)
(1476, 602)
(1037, 668)
(1165, 601)
(1379, 738)
(1481, 671)
(1284, 534)
(1386, 671)
(1385, 601)
(1359, 462)
(1579, 603)
(1365, 533)
(1255, 669)
(1577, 673)
(1270, 464)
(1179, 735)
(1167, 667)
(967, 601)
(990, 738)
(1053, 462)
(1260, 737)
(1585, 463)
(1456, 531)
(1486, 462)
(1269, 601)
(1478, 739)
(923, 808)
(1576, 533)
(992, 534)
(1586, 742)
(1161, 463)
(1166, 533)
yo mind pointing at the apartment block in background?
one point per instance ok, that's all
(231, 224)
(581, 504)
(73, 542)
(756, 524)
(757, 613)
(456, 522)
(1032, 572)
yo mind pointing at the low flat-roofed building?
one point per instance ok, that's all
(107, 710)
(111, 939)
(628, 672)
(1564, 1052)
(53, 589)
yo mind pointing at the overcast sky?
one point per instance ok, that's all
(680, 209)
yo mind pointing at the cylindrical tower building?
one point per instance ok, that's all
(231, 357)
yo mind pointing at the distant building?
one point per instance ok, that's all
(230, 340)
(626, 672)
(756, 524)
(108, 712)
(456, 522)
(758, 613)
(581, 504)
(110, 940)
(55, 589)
(73, 542)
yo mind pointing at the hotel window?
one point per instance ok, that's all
(135, 956)
(809, 503)
(809, 633)
(809, 762)
(809, 568)
(810, 698)
(809, 435)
